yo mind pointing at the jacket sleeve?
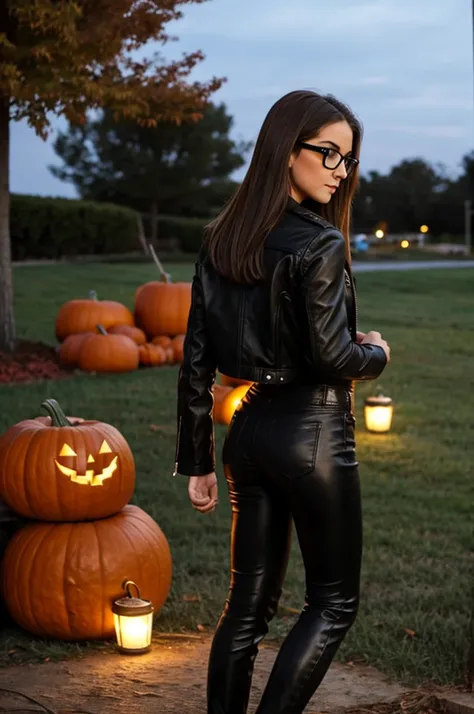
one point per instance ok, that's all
(323, 288)
(195, 450)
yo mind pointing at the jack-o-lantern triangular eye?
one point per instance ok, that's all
(67, 451)
(105, 448)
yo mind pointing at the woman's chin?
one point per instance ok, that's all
(323, 197)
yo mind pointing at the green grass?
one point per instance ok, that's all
(417, 483)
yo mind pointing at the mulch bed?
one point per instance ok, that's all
(30, 362)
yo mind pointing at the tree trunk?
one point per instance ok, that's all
(7, 320)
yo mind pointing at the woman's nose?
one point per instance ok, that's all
(341, 172)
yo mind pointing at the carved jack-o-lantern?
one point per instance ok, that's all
(46, 472)
(92, 476)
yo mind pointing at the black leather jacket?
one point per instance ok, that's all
(297, 326)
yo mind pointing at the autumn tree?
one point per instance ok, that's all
(70, 56)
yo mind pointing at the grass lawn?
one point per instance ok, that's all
(417, 481)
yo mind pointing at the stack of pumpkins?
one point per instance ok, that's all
(104, 335)
(62, 572)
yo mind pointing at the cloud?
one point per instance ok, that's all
(376, 81)
(440, 131)
(303, 19)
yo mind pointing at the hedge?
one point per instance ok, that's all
(188, 231)
(56, 227)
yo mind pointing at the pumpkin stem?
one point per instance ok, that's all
(57, 415)
(102, 330)
(165, 277)
(93, 295)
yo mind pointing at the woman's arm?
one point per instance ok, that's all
(323, 290)
(195, 450)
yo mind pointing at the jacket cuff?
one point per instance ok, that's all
(182, 468)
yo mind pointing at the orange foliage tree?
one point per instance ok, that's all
(70, 56)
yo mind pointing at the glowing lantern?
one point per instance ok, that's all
(378, 413)
(405, 244)
(133, 620)
(379, 234)
(424, 229)
(232, 401)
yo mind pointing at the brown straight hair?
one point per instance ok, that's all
(235, 239)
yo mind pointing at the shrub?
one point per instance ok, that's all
(57, 227)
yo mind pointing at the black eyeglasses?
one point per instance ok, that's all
(332, 158)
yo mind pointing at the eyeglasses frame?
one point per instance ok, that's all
(324, 150)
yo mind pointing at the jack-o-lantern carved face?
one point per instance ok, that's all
(90, 477)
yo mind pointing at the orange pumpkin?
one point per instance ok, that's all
(69, 350)
(137, 335)
(231, 401)
(152, 355)
(60, 580)
(83, 315)
(63, 472)
(108, 353)
(233, 381)
(162, 308)
(162, 340)
(178, 345)
(220, 393)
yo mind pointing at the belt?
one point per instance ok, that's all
(321, 394)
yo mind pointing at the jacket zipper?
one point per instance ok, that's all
(276, 333)
(175, 472)
(354, 299)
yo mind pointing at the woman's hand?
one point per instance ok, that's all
(375, 338)
(360, 336)
(202, 491)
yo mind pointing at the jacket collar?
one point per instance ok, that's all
(306, 209)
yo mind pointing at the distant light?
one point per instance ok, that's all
(379, 234)
(405, 243)
(424, 229)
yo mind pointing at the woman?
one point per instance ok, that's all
(273, 301)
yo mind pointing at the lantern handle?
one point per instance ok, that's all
(127, 584)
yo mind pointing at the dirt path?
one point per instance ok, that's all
(171, 679)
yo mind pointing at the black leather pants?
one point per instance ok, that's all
(288, 456)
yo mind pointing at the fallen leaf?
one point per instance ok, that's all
(192, 598)
(409, 632)
(11, 651)
(201, 628)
